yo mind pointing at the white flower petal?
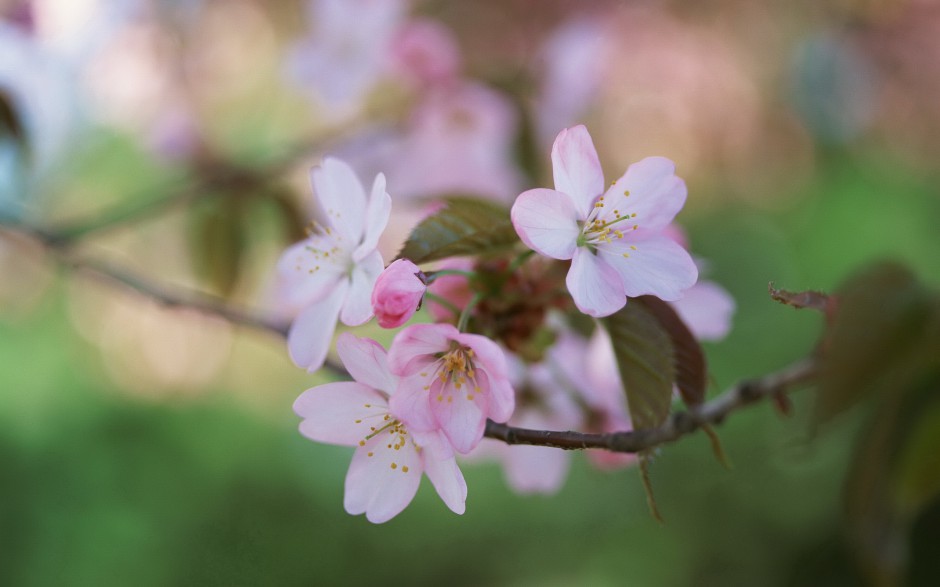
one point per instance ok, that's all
(382, 481)
(656, 266)
(341, 198)
(312, 332)
(366, 361)
(594, 285)
(656, 194)
(577, 169)
(340, 413)
(547, 222)
(357, 308)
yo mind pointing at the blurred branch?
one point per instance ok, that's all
(211, 178)
(678, 425)
(165, 295)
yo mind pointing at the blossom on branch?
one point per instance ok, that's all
(451, 381)
(398, 293)
(331, 274)
(390, 456)
(614, 238)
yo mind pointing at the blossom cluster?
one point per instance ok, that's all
(499, 346)
(508, 335)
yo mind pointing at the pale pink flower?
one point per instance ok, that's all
(548, 405)
(614, 238)
(397, 294)
(451, 381)
(347, 52)
(390, 456)
(332, 273)
(459, 140)
(706, 307)
(454, 289)
(425, 52)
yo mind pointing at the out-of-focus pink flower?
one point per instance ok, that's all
(425, 53)
(390, 457)
(706, 307)
(397, 293)
(459, 141)
(347, 51)
(573, 60)
(332, 273)
(613, 238)
(451, 381)
(547, 405)
(454, 289)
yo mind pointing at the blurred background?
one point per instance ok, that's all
(169, 141)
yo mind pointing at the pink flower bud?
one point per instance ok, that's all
(397, 294)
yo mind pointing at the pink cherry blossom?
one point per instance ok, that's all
(451, 381)
(547, 405)
(332, 273)
(398, 293)
(390, 456)
(614, 238)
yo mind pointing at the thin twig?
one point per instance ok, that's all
(677, 426)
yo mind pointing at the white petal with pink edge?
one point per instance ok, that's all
(382, 481)
(655, 193)
(340, 413)
(547, 222)
(577, 169)
(366, 361)
(311, 333)
(654, 266)
(594, 285)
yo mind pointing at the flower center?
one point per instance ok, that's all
(454, 371)
(605, 225)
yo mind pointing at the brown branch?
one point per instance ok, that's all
(677, 426)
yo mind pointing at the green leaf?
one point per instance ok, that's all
(691, 373)
(465, 226)
(879, 341)
(645, 360)
(918, 469)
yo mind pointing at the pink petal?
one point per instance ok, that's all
(657, 266)
(377, 212)
(594, 285)
(341, 197)
(366, 362)
(536, 469)
(547, 222)
(374, 486)
(337, 413)
(501, 398)
(357, 308)
(411, 403)
(577, 169)
(656, 194)
(312, 332)
(413, 348)
(706, 308)
(442, 470)
(460, 418)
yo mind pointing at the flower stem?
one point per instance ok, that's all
(432, 275)
(465, 315)
(443, 302)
